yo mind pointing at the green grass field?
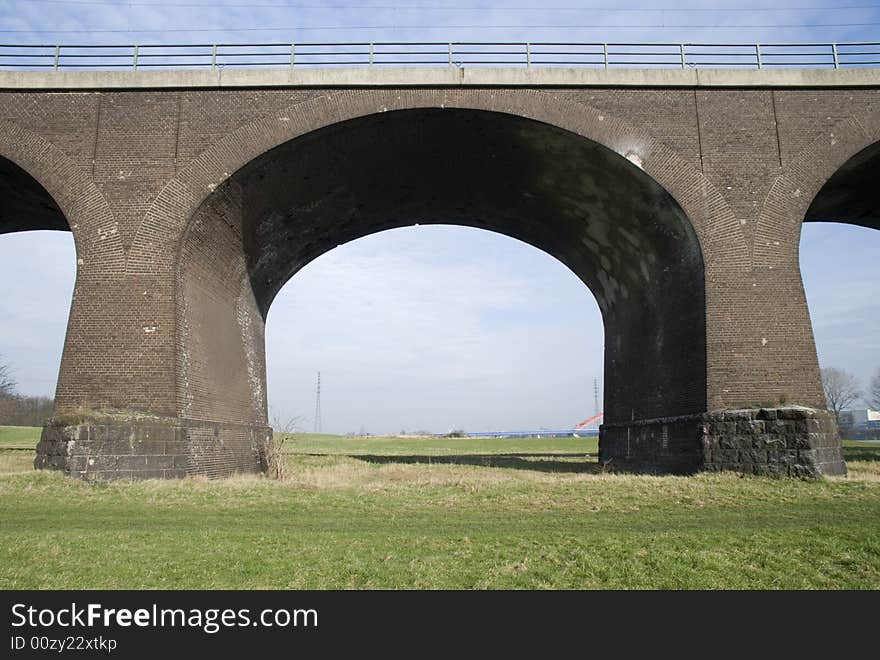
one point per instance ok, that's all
(19, 437)
(439, 513)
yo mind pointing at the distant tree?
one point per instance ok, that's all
(841, 390)
(7, 384)
(874, 392)
(8, 400)
(17, 409)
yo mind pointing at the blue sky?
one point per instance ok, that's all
(435, 327)
(194, 21)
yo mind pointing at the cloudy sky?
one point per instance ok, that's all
(435, 327)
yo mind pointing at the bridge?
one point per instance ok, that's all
(676, 193)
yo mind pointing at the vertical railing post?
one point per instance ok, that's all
(371, 54)
(292, 55)
(683, 62)
(834, 52)
(450, 53)
(213, 57)
(57, 57)
(528, 54)
(134, 59)
(605, 54)
(758, 55)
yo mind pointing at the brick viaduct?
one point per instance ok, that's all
(676, 196)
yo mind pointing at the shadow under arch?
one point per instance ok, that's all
(601, 215)
(27, 205)
(852, 194)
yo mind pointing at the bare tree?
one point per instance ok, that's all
(7, 384)
(874, 391)
(272, 449)
(841, 390)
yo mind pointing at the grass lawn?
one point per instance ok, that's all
(14, 437)
(441, 513)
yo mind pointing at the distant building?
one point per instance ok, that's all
(863, 418)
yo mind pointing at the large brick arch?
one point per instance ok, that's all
(91, 221)
(163, 225)
(623, 235)
(158, 239)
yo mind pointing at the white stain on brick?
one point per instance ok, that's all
(108, 231)
(634, 158)
(248, 340)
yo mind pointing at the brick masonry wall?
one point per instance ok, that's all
(130, 168)
(221, 372)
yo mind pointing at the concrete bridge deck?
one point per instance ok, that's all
(450, 76)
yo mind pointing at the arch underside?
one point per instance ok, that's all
(623, 235)
(26, 204)
(852, 194)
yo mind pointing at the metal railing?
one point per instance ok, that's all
(544, 54)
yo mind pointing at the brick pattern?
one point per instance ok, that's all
(222, 450)
(218, 316)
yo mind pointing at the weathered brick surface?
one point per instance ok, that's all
(143, 179)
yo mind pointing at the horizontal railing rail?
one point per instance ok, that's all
(437, 53)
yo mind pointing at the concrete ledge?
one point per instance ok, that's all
(438, 77)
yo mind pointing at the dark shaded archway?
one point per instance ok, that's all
(26, 204)
(623, 235)
(852, 194)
